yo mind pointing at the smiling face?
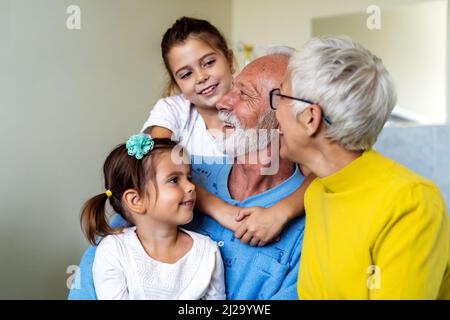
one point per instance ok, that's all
(176, 192)
(290, 129)
(245, 107)
(249, 98)
(203, 74)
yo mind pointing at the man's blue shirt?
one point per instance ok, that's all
(268, 272)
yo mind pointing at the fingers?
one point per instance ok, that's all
(239, 216)
(246, 238)
(254, 242)
(240, 231)
(262, 243)
(243, 213)
(253, 239)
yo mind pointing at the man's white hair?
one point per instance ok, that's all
(280, 50)
(349, 83)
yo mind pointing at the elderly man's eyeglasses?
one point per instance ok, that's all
(275, 97)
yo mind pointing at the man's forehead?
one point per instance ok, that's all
(261, 72)
(266, 66)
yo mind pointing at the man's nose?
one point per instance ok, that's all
(226, 103)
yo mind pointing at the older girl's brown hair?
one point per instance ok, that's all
(179, 32)
(121, 172)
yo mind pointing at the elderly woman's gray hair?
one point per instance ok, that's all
(349, 83)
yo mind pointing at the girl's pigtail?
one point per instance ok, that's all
(93, 218)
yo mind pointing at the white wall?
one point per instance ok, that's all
(66, 99)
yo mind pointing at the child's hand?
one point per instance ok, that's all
(226, 216)
(261, 225)
(221, 211)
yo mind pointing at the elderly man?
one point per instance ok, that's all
(268, 272)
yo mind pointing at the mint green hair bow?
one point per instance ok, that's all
(139, 145)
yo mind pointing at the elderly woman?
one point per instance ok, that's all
(374, 229)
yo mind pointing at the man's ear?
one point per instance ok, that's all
(232, 69)
(133, 201)
(311, 119)
(230, 59)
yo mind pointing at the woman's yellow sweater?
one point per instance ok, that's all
(375, 230)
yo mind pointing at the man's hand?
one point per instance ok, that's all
(259, 226)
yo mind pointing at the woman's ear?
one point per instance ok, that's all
(311, 119)
(133, 201)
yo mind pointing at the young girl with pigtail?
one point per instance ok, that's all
(148, 185)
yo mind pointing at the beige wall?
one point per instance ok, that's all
(67, 98)
(419, 71)
(412, 43)
(288, 22)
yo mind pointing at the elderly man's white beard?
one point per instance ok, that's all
(246, 141)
